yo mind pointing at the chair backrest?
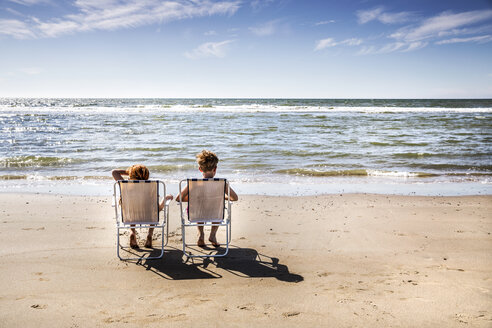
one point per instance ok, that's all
(206, 200)
(139, 201)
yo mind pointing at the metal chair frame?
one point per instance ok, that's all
(120, 224)
(226, 220)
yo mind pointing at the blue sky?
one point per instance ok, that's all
(246, 48)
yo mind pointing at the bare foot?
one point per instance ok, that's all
(200, 242)
(214, 241)
(133, 241)
(148, 243)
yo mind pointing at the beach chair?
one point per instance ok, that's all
(207, 205)
(136, 204)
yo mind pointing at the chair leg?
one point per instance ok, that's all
(118, 245)
(166, 218)
(162, 246)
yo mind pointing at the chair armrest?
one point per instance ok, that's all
(166, 205)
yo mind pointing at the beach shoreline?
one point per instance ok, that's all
(103, 186)
(347, 260)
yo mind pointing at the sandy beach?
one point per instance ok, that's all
(344, 260)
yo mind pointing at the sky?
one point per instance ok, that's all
(246, 48)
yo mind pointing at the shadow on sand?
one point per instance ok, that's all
(241, 262)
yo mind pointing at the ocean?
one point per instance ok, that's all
(274, 146)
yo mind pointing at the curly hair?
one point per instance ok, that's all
(207, 160)
(138, 172)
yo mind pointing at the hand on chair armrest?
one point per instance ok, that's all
(165, 202)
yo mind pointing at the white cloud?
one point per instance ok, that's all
(16, 29)
(96, 4)
(209, 49)
(352, 42)
(480, 39)
(324, 22)
(265, 29)
(260, 4)
(391, 47)
(30, 2)
(210, 33)
(14, 12)
(31, 70)
(432, 29)
(441, 25)
(395, 18)
(325, 43)
(57, 28)
(330, 42)
(367, 50)
(116, 14)
(233, 32)
(365, 16)
(415, 46)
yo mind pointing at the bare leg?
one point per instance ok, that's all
(212, 238)
(148, 243)
(133, 239)
(201, 237)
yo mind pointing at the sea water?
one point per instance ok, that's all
(275, 146)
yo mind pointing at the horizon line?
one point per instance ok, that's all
(251, 98)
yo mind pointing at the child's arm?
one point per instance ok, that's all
(232, 195)
(163, 202)
(183, 197)
(118, 174)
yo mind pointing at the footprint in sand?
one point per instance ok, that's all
(176, 316)
(247, 307)
(291, 314)
(345, 300)
(39, 306)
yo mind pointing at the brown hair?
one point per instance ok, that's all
(207, 160)
(138, 172)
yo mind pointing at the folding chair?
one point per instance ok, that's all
(206, 207)
(138, 207)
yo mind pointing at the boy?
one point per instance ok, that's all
(207, 164)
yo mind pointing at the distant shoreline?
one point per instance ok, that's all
(242, 98)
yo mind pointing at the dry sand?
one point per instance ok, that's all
(328, 261)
